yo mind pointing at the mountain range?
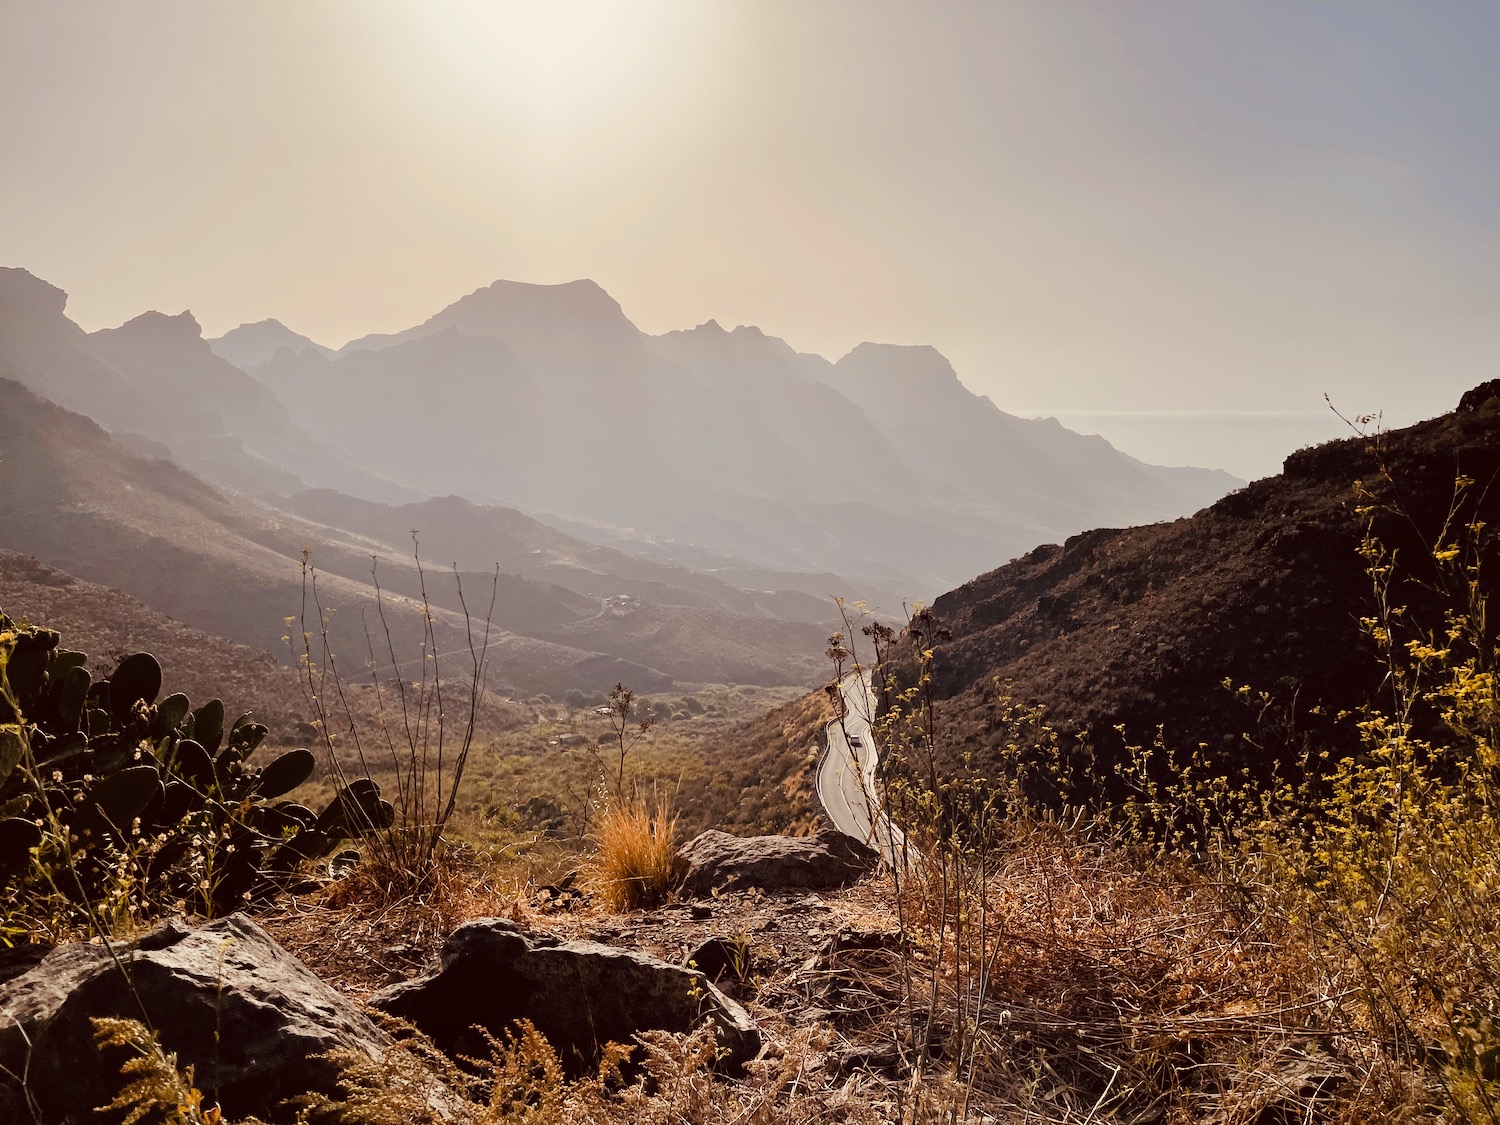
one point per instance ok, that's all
(75, 499)
(653, 509)
(882, 466)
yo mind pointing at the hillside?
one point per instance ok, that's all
(81, 501)
(476, 535)
(108, 624)
(1142, 627)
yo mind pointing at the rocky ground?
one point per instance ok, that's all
(295, 980)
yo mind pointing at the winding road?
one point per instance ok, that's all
(846, 775)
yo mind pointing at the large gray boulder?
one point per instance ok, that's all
(718, 861)
(250, 1018)
(579, 994)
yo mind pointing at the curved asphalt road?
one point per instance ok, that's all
(846, 775)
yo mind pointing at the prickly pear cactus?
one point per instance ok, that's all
(100, 778)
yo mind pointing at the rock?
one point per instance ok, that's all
(250, 1018)
(579, 994)
(719, 861)
(719, 957)
(21, 959)
(1478, 396)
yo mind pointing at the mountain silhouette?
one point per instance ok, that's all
(881, 467)
(230, 565)
(250, 344)
(156, 378)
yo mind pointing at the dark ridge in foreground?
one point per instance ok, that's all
(1140, 628)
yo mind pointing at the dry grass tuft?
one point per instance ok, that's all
(155, 1090)
(456, 886)
(633, 868)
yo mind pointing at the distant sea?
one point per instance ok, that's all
(1248, 444)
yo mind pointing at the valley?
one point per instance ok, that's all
(723, 563)
(540, 618)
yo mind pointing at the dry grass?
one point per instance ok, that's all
(1077, 981)
(533, 778)
(1081, 981)
(155, 1090)
(371, 928)
(523, 1084)
(633, 867)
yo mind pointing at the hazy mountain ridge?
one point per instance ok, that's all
(475, 536)
(250, 344)
(729, 441)
(916, 397)
(156, 377)
(547, 398)
(485, 384)
(780, 469)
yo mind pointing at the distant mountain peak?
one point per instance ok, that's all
(518, 311)
(22, 289)
(583, 297)
(252, 344)
(901, 367)
(180, 325)
(156, 333)
(905, 352)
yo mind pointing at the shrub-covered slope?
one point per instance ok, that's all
(1141, 627)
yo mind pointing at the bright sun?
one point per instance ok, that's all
(560, 65)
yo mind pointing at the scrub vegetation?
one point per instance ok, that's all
(1311, 941)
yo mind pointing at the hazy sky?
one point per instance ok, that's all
(1165, 206)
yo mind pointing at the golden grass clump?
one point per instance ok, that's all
(155, 1091)
(633, 868)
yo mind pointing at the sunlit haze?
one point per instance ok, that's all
(1167, 222)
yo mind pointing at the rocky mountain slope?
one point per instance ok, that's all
(1142, 627)
(108, 624)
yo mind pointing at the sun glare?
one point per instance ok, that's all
(559, 66)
